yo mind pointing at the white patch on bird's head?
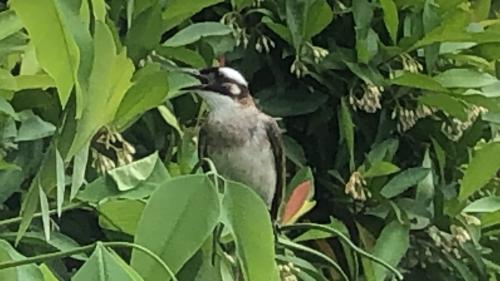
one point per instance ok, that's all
(234, 75)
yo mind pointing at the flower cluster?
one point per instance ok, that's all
(410, 64)
(264, 43)
(456, 128)
(240, 33)
(447, 242)
(112, 140)
(356, 187)
(407, 118)
(288, 272)
(299, 68)
(370, 99)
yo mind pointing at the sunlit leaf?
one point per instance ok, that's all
(129, 176)
(247, 218)
(484, 205)
(195, 32)
(189, 201)
(391, 18)
(56, 50)
(391, 246)
(104, 265)
(27, 272)
(482, 167)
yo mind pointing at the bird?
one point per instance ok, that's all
(244, 143)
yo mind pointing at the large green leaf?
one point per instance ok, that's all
(27, 272)
(56, 49)
(195, 32)
(391, 18)
(104, 265)
(404, 180)
(149, 90)
(177, 219)
(319, 15)
(177, 11)
(482, 167)
(488, 204)
(391, 246)
(109, 80)
(247, 218)
(296, 19)
(419, 81)
(381, 169)
(447, 103)
(33, 127)
(465, 78)
(145, 33)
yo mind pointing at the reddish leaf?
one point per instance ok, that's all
(296, 201)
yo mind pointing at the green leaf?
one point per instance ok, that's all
(104, 188)
(381, 169)
(279, 29)
(404, 180)
(241, 4)
(447, 103)
(149, 90)
(47, 273)
(296, 19)
(6, 108)
(104, 265)
(482, 167)
(177, 11)
(291, 102)
(33, 127)
(248, 220)
(10, 24)
(61, 184)
(195, 32)
(44, 207)
(319, 15)
(79, 167)
(56, 50)
(184, 55)
(391, 246)
(129, 176)
(465, 78)
(38, 81)
(488, 204)
(107, 85)
(347, 128)
(294, 151)
(192, 206)
(145, 33)
(419, 81)
(121, 215)
(170, 118)
(391, 18)
(27, 272)
(425, 189)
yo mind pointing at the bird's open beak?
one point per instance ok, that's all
(204, 81)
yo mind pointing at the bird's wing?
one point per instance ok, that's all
(274, 136)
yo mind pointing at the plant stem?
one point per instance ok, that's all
(39, 214)
(295, 246)
(87, 248)
(346, 240)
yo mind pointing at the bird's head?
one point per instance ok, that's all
(222, 87)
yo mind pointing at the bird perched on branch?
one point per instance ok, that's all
(244, 143)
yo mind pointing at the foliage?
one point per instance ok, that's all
(391, 114)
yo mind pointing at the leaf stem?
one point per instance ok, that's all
(346, 240)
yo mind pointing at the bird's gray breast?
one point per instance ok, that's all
(241, 151)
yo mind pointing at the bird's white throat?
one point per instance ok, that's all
(218, 102)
